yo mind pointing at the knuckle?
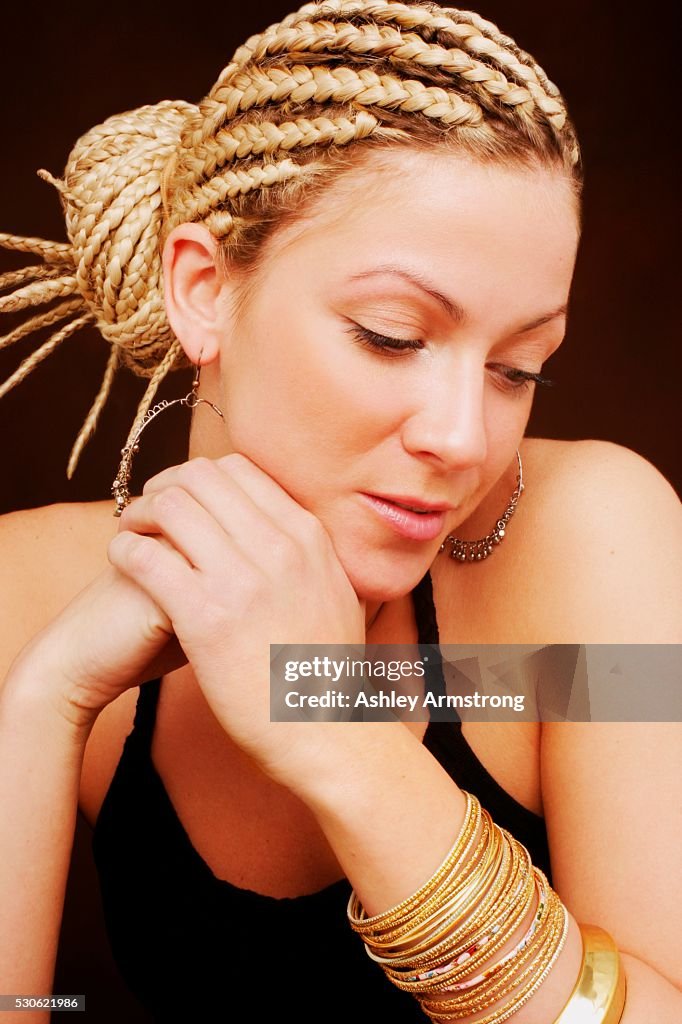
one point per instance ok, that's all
(235, 461)
(283, 548)
(148, 488)
(199, 469)
(141, 555)
(292, 556)
(154, 482)
(167, 502)
(134, 552)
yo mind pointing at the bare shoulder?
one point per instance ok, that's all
(593, 554)
(48, 555)
(593, 464)
(65, 528)
(601, 544)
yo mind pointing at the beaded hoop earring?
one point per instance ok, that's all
(119, 488)
(477, 550)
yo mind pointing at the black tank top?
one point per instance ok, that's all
(190, 945)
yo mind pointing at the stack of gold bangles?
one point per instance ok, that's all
(437, 943)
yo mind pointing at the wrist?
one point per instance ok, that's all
(38, 684)
(344, 765)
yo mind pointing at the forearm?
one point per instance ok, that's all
(390, 830)
(650, 997)
(41, 756)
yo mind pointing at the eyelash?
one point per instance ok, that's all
(519, 380)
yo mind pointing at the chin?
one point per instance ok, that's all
(384, 576)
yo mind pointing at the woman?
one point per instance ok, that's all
(369, 229)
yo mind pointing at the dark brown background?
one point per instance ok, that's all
(66, 69)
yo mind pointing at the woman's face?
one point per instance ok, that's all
(333, 419)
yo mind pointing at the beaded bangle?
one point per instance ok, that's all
(425, 975)
(499, 918)
(497, 909)
(463, 951)
(539, 967)
(499, 983)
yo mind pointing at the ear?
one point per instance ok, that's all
(192, 288)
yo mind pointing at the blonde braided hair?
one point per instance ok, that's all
(272, 134)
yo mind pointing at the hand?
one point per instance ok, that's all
(109, 638)
(243, 566)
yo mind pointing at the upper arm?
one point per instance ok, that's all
(613, 811)
(604, 556)
(47, 555)
(608, 570)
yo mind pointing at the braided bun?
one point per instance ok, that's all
(277, 128)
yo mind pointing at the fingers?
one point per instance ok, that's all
(233, 488)
(201, 606)
(140, 556)
(186, 524)
(159, 570)
(198, 507)
(208, 530)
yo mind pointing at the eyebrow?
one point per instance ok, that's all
(454, 310)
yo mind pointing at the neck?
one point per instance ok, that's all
(372, 609)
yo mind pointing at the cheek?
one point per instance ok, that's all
(506, 419)
(506, 415)
(299, 400)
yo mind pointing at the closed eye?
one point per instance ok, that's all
(513, 373)
(516, 377)
(380, 342)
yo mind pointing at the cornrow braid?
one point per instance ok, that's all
(400, 47)
(278, 127)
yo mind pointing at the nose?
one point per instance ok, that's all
(449, 423)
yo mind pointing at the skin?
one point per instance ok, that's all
(268, 506)
(327, 417)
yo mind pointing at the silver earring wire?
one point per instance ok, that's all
(119, 488)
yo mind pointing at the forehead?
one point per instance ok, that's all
(487, 229)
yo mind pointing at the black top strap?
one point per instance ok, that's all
(429, 640)
(145, 716)
(425, 611)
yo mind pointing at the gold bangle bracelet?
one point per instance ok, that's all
(364, 925)
(456, 977)
(451, 950)
(541, 969)
(504, 914)
(442, 944)
(599, 993)
(446, 918)
(542, 947)
(456, 888)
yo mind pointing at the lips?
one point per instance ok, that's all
(410, 508)
(425, 524)
(414, 504)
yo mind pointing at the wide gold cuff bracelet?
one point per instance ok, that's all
(599, 993)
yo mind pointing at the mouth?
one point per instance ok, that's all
(410, 518)
(413, 504)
